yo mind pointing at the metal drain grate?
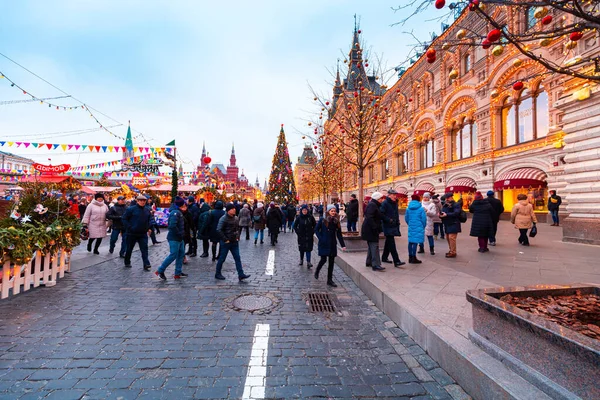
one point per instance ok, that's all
(320, 302)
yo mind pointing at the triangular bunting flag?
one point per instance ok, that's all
(83, 146)
(19, 144)
(91, 148)
(77, 147)
(10, 144)
(49, 146)
(70, 146)
(26, 144)
(111, 148)
(2, 143)
(55, 146)
(64, 147)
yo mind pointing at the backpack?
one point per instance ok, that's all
(256, 218)
(204, 223)
(462, 216)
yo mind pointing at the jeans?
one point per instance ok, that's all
(205, 246)
(262, 234)
(177, 251)
(412, 249)
(390, 248)
(114, 237)
(373, 259)
(234, 248)
(451, 237)
(523, 238)
(290, 222)
(142, 241)
(554, 214)
(302, 253)
(483, 242)
(492, 237)
(430, 240)
(351, 226)
(247, 228)
(438, 227)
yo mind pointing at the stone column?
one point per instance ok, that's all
(581, 124)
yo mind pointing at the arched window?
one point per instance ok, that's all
(467, 63)
(464, 140)
(426, 150)
(508, 123)
(401, 163)
(371, 174)
(526, 118)
(385, 169)
(542, 115)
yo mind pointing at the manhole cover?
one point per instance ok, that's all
(252, 302)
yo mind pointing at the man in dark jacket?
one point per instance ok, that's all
(194, 212)
(175, 238)
(115, 214)
(229, 233)
(352, 213)
(291, 215)
(391, 227)
(202, 227)
(554, 202)
(137, 221)
(370, 231)
(450, 213)
(498, 209)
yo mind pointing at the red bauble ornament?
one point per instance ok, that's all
(486, 44)
(494, 35)
(473, 5)
(355, 94)
(518, 86)
(316, 147)
(207, 160)
(575, 36)
(547, 20)
(430, 53)
(431, 60)
(366, 64)
(439, 4)
(326, 103)
(359, 31)
(410, 99)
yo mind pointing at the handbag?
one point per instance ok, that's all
(533, 231)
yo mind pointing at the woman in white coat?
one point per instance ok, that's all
(95, 220)
(432, 212)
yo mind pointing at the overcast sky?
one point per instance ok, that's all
(194, 71)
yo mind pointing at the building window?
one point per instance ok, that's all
(530, 19)
(385, 169)
(9, 166)
(467, 63)
(525, 119)
(371, 174)
(464, 140)
(427, 153)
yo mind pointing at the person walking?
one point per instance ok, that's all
(245, 219)
(115, 214)
(259, 219)
(175, 237)
(304, 226)
(416, 219)
(194, 212)
(291, 215)
(438, 226)
(498, 209)
(138, 222)
(329, 232)
(554, 202)
(391, 228)
(274, 221)
(214, 218)
(432, 213)
(95, 220)
(154, 227)
(188, 223)
(82, 207)
(352, 213)
(370, 230)
(523, 218)
(203, 227)
(450, 213)
(228, 230)
(482, 224)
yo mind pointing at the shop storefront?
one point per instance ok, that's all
(424, 188)
(462, 188)
(528, 181)
(402, 197)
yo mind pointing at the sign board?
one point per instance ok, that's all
(52, 169)
(139, 181)
(149, 166)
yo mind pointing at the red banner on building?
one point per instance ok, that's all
(52, 169)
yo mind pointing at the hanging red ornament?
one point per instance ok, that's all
(439, 4)
(326, 103)
(316, 147)
(430, 53)
(359, 31)
(547, 20)
(431, 60)
(410, 99)
(207, 160)
(517, 86)
(355, 94)
(473, 5)
(494, 35)
(486, 44)
(575, 36)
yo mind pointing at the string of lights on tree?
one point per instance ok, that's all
(282, 188)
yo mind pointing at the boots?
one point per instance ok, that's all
(89, 245)
(301, 263)
(330, 281)
(413, 260)
(255, 240)
(421, 249)
(431, 251)
(317, 272)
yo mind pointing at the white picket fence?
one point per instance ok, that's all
(41, 270)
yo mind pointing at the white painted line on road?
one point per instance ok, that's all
(254, 387)
(270, 263)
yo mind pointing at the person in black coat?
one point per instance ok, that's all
(370, 230)
(194, 211)
(482, 224)
(352, 214)
(391, 228)
(329, 231)
(214, 216)
(274, 221)
(304, 225)
(498, 209)
(554, 202)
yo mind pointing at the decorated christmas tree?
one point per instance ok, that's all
(282, 188)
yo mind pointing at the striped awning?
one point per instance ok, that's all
(461, 185)
(522, 177)
(402, 191)
(424, 188)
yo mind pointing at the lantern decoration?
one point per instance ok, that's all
(570, 45)
(517, 62)
(518, 86)
(575, 36)
(498, 50)
(540, 12)
(545, 42)
(461, 34)
(439, 4)
(453, 74)
(446, 46)
(473, 5)
(494, 35)
(547, 20)
(207, 160)
(486, 44)
(494, 93)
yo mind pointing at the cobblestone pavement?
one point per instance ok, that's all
(106, 332)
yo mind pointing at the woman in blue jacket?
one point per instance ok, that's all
(416, 219)
(328, 231)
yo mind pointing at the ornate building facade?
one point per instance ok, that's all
(229, 174)
(470, 130)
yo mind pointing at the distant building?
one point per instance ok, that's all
(12, 167)
(228, 175)
(305, 164)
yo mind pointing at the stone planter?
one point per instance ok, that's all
(558, 360)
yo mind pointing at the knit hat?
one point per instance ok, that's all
(490, 193)
(192, 199)
(426, 195)
(330, 207)
(415, 197)
(179, 202)
(376, 196)
(229, 206)
(478, 196)
(260, 205)
(245, 205)
(219, 205)
(304, 207)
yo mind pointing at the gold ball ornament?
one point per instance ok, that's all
(461, 34)
(446, 46)
(570, 45)
(540, 12)
(494, 93)
(498, 50)
(517, 63)
(545, 42)
(453, 74)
